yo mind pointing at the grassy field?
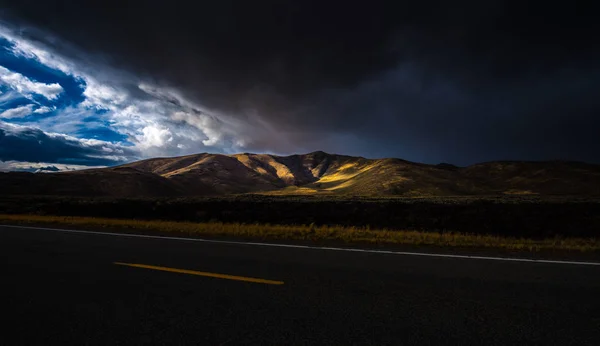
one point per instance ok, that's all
(316, 234)
(506, 216)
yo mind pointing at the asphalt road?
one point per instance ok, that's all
(63, 288)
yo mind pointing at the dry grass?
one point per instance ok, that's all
(317, 233)
(295, 191)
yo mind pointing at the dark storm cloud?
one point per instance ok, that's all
(428, 81)
(19, 143)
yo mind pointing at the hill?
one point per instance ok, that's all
(314, 173)
(114, 182)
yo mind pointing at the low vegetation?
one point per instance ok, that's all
(517, 216)
(315, 234)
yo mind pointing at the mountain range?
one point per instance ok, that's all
(316, 173)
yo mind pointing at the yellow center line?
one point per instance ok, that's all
(193, 272)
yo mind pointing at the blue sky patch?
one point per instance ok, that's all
(34, 70)
(91, 123)
(102, 133)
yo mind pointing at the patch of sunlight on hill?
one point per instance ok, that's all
(281, 170)
(295, 190)
(175, 172)
(244, 160)
(186, 169)
(251, 163)
(345, 172)
(261, 170)
(343, 185)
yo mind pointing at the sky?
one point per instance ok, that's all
(102, 83)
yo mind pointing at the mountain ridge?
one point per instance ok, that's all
(312, 173)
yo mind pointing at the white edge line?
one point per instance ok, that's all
(388, 252)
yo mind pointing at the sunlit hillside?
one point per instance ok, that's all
(323, 173)
(316, 173)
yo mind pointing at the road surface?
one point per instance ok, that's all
(83, 288)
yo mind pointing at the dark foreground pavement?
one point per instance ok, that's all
(64, 289)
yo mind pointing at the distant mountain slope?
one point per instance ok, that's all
(313, 173)
(115, 182)
(548, 178)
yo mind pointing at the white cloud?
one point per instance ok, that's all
(154, 136)
(26, 86)
(68, 120)
(101, 96)
(17, 112)
(205, 123)
(8, 96)
(44, 109)
(156, 120)
(7, 166)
